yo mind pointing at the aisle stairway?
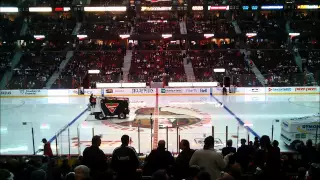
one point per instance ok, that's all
(56, 74)
(183, 27)
(297, 58)
(126, 65)
(8, 75)
(188, 70)
(77, 28)
(253, 67)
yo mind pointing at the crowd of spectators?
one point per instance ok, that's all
(108, 2)
(260, 159)
(62, 24)
(106, 23)
(157, 66)
(34, 70)
(156, 3)
(5, 62)
(216, 23)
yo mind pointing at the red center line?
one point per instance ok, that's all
(156, 122)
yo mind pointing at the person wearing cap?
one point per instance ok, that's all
(209, 160)
(125, 160)
(93, 157)
(47, 151)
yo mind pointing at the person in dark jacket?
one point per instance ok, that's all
(159, 158)
(229, 149)
(182, 169)
(125, 160)
(243, 154)
(93, 157)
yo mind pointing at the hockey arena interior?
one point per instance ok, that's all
(232, 80)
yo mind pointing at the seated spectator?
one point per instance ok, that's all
(38, 175)
(193, 172)
(204, 176)
(229, 149)
(160, 175)
(93, 157)
(301, 174)
(233, 173)
(208, 159)
(158, 159)
(82, 172)
(125, 160)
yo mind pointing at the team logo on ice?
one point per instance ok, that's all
(112, 106)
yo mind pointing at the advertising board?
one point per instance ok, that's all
(184, 91)
(129, 91)
(96, 92)
(24, 92)
(255, 90)
(279, 90)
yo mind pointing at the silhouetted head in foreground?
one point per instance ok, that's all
(208, 142)
(184, 144)
(160, 175)
(229, 143)
(162, 145)
(125, 140)
(96, 141)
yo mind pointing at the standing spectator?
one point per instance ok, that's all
(256, 143)
(47, 151)
(243, 154)
(158, 159)
(229, 149)
(311, 151)
(93, 157)
(183, 159)
(125, 160)
(275, 145)
(266, 158)
(82, 172)
(208, 159)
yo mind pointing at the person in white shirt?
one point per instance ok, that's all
(209, 160)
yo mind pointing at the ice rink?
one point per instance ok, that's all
(192, 116)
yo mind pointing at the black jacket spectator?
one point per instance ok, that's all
(243, 154)
(94, 157)
(159, 158)
(182, 169)
(125, 160)
(229, 149)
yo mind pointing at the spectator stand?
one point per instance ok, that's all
(55, 23)
(104, 24)
(109, 3)
(157, 22)
(156, 61)
(216, 22)
(107, 56)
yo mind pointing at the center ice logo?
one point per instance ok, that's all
(168, 117)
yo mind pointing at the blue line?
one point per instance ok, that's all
(68, 125)
(236, 117)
